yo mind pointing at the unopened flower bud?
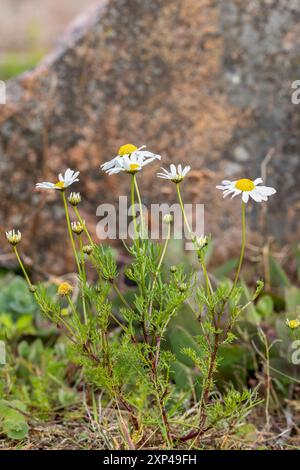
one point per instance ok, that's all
(74, 199)
(98, 289)
(173, 269)
(13, 237)
(87, 249)
(77, 227)
(129, 273)
(32, 289)
(182, 287)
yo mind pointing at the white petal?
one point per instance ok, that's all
(258, 181)
(186, 170)
(161, 175)
(114, 171)
(68, 174)
(146, 154)
(149, 160)
(236, 193)
(245, 196)
(68, 183)
(173, 169)
(133, 158)
(228, 191)
(255, 195)
(266, 190)
(226, 182)
(45, 185)
(108, 165)
(122, 161)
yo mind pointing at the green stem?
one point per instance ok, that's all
(118, 322)
(71, 305)
(22, 266)
(241, 258)
(122, 298)
(76, 316)
(84, 226)
(68, 327)
(182, 210)
(163, 254)
(140, 206)
(70, 230)
(207, 281)
(133, 205)
(202, 262)
(243, 245)
(83, 274)
(133, 188)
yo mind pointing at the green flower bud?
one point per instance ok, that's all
(87, 249)
(182, 287)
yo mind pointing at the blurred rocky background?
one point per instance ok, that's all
(205, 82)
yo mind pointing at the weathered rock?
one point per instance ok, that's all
(201, 82)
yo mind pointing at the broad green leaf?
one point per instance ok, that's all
(225, 269)
(15, 429)
(24, 324)
(23, 349)
(265, 306)
(36, 350)
(278, 275)
(292, 298)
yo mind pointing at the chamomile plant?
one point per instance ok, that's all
(118, 337)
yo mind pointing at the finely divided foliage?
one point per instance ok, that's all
(119, 338)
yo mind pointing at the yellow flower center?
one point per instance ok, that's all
(245, 185)
(134, 167)
(64, 288)
(293, 324)
(126, 149)
(60, 185)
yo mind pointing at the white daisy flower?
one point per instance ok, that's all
(247, 188)
(168, 219)
(129, 150)
(13, 237)
(175, 174)
(201, 242)
(69, 178)
(132, 164)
